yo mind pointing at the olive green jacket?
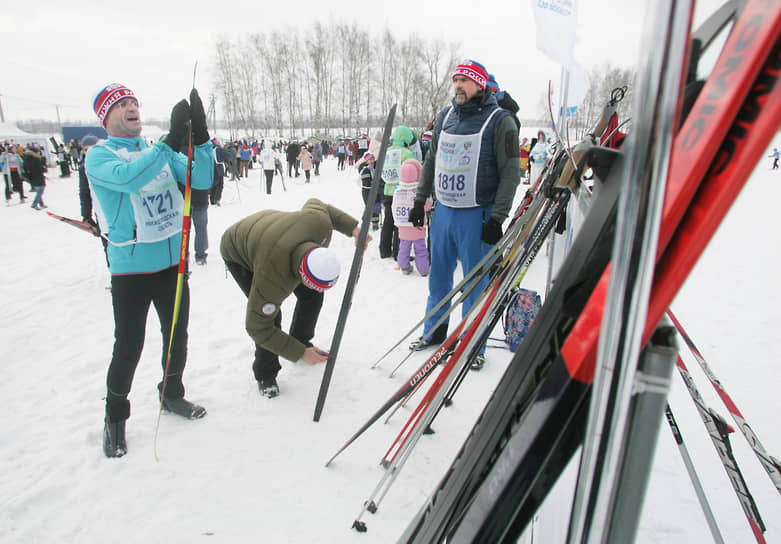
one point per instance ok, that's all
(271, 245)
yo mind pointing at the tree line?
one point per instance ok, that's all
(329, 77)
(600, 82)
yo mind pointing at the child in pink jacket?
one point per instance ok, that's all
(409, 237)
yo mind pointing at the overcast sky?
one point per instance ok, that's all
(62, 54)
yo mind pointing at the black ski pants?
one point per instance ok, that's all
(302, 327)
(131, 296)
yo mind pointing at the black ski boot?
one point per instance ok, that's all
(434, 339)
(183, 407)
(114, 444)
(478, 363)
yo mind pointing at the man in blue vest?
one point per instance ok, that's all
(474, 159)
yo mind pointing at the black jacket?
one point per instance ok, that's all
(32, 165)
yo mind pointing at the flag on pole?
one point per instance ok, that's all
(556, 22)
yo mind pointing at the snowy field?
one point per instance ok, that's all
(253, 469)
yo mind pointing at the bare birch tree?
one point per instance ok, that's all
(225, 82)
(406, 70)
(438, 62)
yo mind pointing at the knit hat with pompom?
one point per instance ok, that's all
(410, 172)
(319, 269)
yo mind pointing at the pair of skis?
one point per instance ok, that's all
(534, 422)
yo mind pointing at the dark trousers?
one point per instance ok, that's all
(131, 296)
(200, 221)
(302, 327)
(376, 209)
(269, 179)
(389, 235)
(215, 193)
(16, 183)
(291, 165)
(8, 190)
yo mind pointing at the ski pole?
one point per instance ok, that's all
(474, 280)
(771, 465)
(687, 461)
(480, 269)
(433, 398)
(402, 393)
(719, 433)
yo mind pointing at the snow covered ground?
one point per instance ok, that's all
(253, 469)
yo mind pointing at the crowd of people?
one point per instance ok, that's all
(431, 210)
(20, 164)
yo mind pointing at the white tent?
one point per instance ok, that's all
(10, 133)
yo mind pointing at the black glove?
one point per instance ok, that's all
(176, 133)
(200, 132)
(417, 214)
(492, 231)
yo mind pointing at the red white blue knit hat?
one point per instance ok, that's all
(473, 70)
(109, 96)
(319, 269)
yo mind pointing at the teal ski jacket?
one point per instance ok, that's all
(113, 179)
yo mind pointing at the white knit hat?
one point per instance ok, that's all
(319, 269)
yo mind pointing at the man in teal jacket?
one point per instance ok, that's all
(140, 209)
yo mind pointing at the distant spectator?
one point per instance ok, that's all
(411, 238)
(341, 154)
(268, 164)
(63, 159)
(12, 166)
(221, 157)
(85, 194)
(317, 157)
(293, 149)
(245, 155)
(367, 178)
(306, 161)
(34, 172)
(538, 156)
